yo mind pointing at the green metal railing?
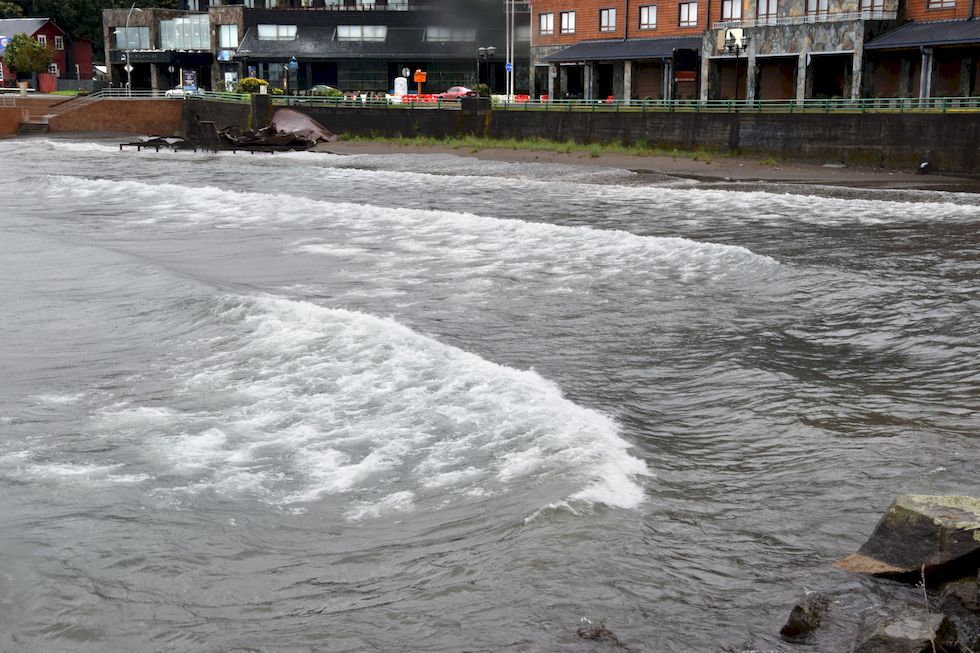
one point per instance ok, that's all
(828, 105)
(362, 103)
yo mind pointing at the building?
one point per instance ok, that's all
(790, 49)
(353, 45)
(937, 54)
(594, 49)
(71, 58)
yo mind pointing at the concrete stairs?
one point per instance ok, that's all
(33, 127)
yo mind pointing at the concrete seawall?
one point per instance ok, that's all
(157, 117)
(893, 140)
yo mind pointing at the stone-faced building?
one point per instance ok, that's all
(791, 49)
(594, 49)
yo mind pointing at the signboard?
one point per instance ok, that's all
(4, 42)
(253, 71)
(419, 76)
(128, 68)
(188, 80)
(509, 66)
(293, 64)
(685, 76)
(401, 86)
(225, 55)
(231, 81)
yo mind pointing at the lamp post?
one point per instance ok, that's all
(736, 44)
(129, 65)
(484, 55)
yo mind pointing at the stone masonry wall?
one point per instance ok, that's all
(10, 119)
(149, 117)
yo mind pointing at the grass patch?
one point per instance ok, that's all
(477, 143)
(65, 93)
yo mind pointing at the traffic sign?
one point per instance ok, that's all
(406, 72)
(509, 66)
(128, 68)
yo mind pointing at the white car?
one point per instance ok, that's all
(179, 92)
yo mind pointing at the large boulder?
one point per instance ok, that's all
(909, 633)
(939, 533)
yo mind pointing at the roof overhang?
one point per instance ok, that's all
(630, 49)
(934, 33)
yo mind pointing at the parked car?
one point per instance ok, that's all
(179, 92)
(325, 91)
(456, 92)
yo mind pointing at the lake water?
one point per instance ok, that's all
(423, 402)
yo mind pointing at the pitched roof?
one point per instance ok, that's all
(318, 43)
(939, 32)
(11, 26)
(613, 50)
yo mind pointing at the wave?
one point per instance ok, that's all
(303, 402)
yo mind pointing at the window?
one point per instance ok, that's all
(361, 32)
(250, 4)
(450, 34)
(817, 7)
(567, 22)
(133, 38)
(872, 5)
(186, 33)
(607, 20)
(731, 9)
(648, 17)
(59, 43)
(276, 32)
(53, 68)
(546, 23)
(522, 32)
(214, 3)
(1, 71)
(227, 36)
(42, 39)
(941, 4)
(688, 14)
(767, 9)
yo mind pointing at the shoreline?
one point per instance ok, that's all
(709, 168)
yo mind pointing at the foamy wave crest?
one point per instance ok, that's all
(422, 234)
(319, 402)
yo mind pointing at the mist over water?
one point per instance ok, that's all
(424, 402)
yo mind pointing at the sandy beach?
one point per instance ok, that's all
(712, 167)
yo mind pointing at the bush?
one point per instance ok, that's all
(277, 91)
(250, 85)
(482, 90)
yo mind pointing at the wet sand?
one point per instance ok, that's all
(711, 168)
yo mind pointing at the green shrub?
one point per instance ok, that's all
(482, 90)
(277, 91)
(250, 85)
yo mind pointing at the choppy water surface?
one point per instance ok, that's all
(308, 402)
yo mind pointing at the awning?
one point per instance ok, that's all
(319, 44)
(940, 32)
(630, 49)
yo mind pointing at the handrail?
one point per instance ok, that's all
(809, 105)
(819, 17)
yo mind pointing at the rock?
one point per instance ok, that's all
(964, 593)
(805, 618)
(599, 632)
(924, 167)
(940, 532)
(910, 633)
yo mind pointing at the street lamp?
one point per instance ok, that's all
(483, 55)
(129, 66)
(736, 44)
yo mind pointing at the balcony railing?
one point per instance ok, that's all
(840, 17)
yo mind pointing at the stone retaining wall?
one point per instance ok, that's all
(950, 141)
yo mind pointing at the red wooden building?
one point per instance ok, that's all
(72, 58)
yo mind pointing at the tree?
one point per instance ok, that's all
(10, 9)
(24, 55)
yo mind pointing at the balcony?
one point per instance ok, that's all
(825, 17)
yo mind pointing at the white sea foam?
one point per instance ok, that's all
(337, 403)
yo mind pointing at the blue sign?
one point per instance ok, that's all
(189, 80)
(4, 42)
(509, 66)
(225, 55)
(293, 64)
